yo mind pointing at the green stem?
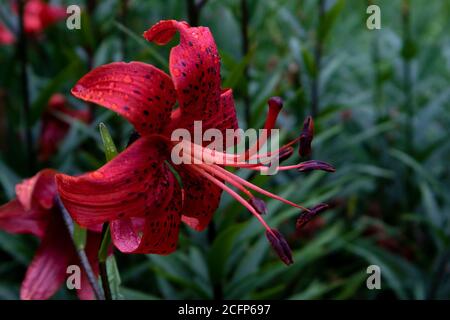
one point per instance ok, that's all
(102, 256)
(315, 94)
(23, 56)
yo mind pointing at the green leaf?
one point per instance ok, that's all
(79, 236)
(309, 62)
(54, 85)
(221, 250)
(8, 180)
(16, 246)
(409, 49)
(108, 143)
(329, 19)
(153, 53)
(104, 247)
(114, 278)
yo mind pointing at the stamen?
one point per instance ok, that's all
(280, 245)
(228, 176)
(315, 165)
(275, 106)
(235, 195)
(259, 205)
(305, 217)
(306, 137)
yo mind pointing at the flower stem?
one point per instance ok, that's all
(245, 48)
(123, 20)
(318, 59)
(84, 261)
(22, 51)
(194, 7)
(102, 256)
(407, 77)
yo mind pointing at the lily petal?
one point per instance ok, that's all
(47, 271)
(194, 67)
(159, 232)
(140, 92)
(15, 219)
(132, 184)
(201, 199)
(38, 190)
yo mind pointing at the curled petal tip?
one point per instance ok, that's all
(280, 245)
(306, 216)
(275, 102)
(315, 165)
(259, 205)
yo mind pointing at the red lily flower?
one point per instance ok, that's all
(6, 36)
(39, 15)
(33, 212)
(54, 129)
(137, 191)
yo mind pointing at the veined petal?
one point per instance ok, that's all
(194, 67)
(159, 231)
(38, 190)
(15, 219)
(201, 198)
(140, 92)
(47, 271)
(133, 184)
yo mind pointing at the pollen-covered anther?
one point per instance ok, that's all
(259, 205)
(280, 245)
(306, 216)
(306, 137)
(315, 165)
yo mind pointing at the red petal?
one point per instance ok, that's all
(201, 199)
(15, 219)
(47, 271)
(194, 67)
(39, 15)
(92, 246)
(6, 37)
(55, 129)
(132, 184)
(222, 120)
(159, 231)
(51, 14)
(52, 133)
(38, 190)
(140, 92)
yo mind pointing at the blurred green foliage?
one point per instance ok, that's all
(383, 122)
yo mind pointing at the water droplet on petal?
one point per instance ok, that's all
(79, 88)
(127, 79)
(97, 175)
